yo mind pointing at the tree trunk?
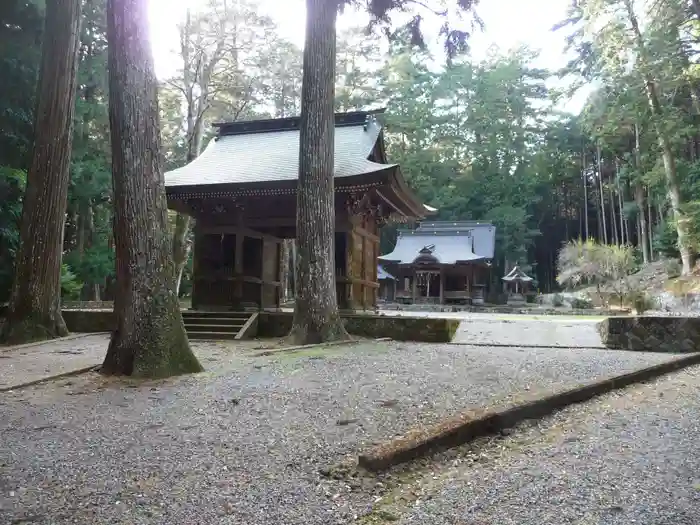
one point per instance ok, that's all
(584, 173)
(603, 224)
(624, 234)
(293, 264)
(34, 312)
(613, 217)
(150, 338)
(284, 270)
(642, 221)
(316, 316)
(650, 227)
(672, 184)
(182, 244)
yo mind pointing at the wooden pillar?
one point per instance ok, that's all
(413, 288)
(442, 286)
(238, 270)
(198, 252)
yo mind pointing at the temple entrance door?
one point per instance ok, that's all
(427, 286)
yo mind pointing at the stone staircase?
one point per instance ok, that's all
(214, 325)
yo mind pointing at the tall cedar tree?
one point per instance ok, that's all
(316, 315)
(35, 304)
(150, 338)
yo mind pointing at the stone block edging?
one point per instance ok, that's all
(47, 379)
(477, 423)
(47, 341)
(291, 349)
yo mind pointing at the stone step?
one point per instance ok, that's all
(215, 320)
(189, 314)
(214, 327)
(212, 336)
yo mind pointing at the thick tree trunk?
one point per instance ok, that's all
(316, 317)
(35, 304)
(150, 338)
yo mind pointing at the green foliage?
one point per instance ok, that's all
(70, 285)
(12, 184)
(579, 303)
(21, 26)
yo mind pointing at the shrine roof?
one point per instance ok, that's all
(444, 243)
(268, 151)
(516, 274)
(382, 274)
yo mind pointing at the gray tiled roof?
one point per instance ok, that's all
(274, 156)
(453, 242)
(382, 274)
(516, 274)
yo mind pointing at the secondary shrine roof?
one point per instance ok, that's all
(517, 275)
(444, 242)
(382, 274)
(268, 151)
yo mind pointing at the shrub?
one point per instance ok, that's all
(639, 300)
(587, 262)
(557, 300)
(673, 268)
(581, 303)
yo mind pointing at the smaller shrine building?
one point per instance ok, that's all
(442, 262)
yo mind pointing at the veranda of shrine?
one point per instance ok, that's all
(241, 191)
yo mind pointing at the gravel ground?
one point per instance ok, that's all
(629, 457)
(245, 442)
(573, 333)
(24, 364)
(30, 363)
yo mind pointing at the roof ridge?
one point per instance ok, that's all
(247, 127)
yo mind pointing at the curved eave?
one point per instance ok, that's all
(414, 208)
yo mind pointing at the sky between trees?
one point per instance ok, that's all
(508, 24)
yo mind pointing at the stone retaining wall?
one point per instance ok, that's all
(422, 329)
(651, 333)
(511, 310)
(278, 324)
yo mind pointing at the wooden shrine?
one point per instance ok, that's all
(442, 262)
(241, 191)
(517, 284)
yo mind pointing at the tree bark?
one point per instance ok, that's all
(150, 338)
(601, 217)
(639, 199)
(643, 226)
(284, 271)
(670, 169)
(584, 173)
(316, 316)
(650, 227)
(34, 312)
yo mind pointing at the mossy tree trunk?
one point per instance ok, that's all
(34, 312)
(150, 338)
(316, 316)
